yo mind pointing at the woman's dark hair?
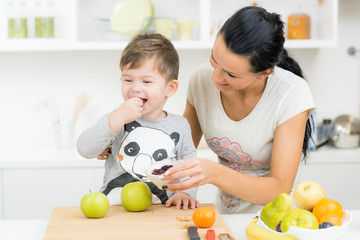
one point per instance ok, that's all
(259, 35)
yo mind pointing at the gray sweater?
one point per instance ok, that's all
(137, 145)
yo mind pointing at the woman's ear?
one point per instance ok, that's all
(173, 86)
(265, 74)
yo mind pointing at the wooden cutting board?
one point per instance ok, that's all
(157, 222)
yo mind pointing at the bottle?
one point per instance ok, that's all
(44, 19)
(17, 21)
(328, 128)
(299, 26)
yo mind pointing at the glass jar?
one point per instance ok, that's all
(44, 19)
(17, 20)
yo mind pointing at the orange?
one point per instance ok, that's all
(326, 206)
(204, 217)
(331, 218)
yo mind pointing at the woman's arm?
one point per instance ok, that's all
(286, 154)
(191, 115)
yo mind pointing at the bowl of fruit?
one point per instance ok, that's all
(155, 172)
(314, 216)
(325, 231)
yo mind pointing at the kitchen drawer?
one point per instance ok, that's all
(1, 194)
(33, 193)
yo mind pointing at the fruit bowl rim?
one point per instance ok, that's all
(292, 229)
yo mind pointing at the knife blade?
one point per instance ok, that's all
(226, 236)
(193, 234)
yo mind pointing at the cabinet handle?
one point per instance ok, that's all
(352, 51)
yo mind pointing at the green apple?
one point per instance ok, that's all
(136, 196)
(307, 194)
(274, 211)
(299, 218)
(95, 205)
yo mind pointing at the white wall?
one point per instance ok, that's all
(27, 78)
(333, 75)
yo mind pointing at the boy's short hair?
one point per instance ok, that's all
(145, 46)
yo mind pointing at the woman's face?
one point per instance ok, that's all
(231, 71)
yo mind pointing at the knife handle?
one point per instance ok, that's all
(210, 234)
(193, 234)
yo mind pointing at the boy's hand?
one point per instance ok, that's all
(104, 155)
(182, 199)
(129, 111)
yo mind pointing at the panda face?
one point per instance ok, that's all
(144, 146)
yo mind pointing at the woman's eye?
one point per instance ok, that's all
(230, 75)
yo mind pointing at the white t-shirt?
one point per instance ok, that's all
(246, 145)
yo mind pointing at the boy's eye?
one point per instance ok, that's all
(127, 80)
(147, 81)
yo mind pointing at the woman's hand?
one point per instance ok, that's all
(104, 155)
(198, 172)
(182, 199)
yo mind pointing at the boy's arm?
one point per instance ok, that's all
(95, 139)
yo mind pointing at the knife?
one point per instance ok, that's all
(193, 234)
(210, 234)
(226, 236)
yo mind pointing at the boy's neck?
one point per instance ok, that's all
(156, 115)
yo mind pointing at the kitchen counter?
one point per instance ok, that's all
(34, 157)
(35, 229)
(34, 164)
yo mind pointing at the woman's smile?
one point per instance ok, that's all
(222, 84)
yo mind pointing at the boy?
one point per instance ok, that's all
(140, 132)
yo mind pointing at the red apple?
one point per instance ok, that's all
(307, 194)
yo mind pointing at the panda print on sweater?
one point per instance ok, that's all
(142, 147)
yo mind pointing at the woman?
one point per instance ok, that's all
(254, 115)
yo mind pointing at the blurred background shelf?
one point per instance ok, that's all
(76, 27)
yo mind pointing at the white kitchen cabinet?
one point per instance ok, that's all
(1, 195)
(32, 193)
(75, 26)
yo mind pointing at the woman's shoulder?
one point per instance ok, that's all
(203, 71)
(289, 79)
(199, 82)
(205, 67)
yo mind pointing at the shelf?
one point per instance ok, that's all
(76, 30)
(310, 44)
(30, 45)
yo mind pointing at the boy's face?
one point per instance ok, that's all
(147, 83)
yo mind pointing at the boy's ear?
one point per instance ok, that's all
(172, 87)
